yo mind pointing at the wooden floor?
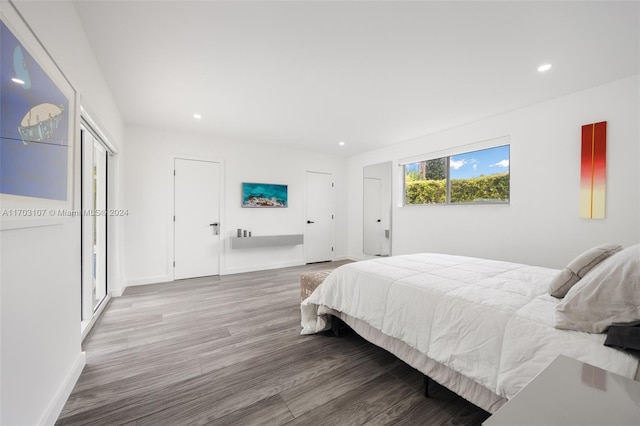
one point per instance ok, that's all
(228, 350)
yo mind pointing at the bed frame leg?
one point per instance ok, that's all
(426, 386)
(338, 327)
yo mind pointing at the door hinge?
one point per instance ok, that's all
(174, 172)
(174, 263)
(174, 218)
(331, 217)
(332, 184)
(331, 248)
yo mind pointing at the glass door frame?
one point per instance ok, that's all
(94, 184)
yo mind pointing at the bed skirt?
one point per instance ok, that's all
(461, 385)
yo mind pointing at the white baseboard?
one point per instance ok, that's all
(56, 406)
(223, 271)
(118, 292)
(116, 288)
(339, 258)
(148, 280)
(255, 268)
(359, 258)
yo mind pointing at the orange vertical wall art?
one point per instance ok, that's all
(593, 170)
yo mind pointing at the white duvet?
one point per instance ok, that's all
(488, 320)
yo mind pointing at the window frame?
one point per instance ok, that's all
(500, 142)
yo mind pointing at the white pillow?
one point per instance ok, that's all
(609, 293)
(578, 267)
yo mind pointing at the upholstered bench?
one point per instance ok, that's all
(309, 281)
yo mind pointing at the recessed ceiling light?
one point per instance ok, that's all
(341, 143)
(544, 67)
(197, 116)
(17, 80)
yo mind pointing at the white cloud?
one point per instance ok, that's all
(455, 165)
(503, 163)
(475, 167)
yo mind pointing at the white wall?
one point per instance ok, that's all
(542, 225)
(40, 267)
(149, 199)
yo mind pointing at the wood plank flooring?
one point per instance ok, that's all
(228, 351)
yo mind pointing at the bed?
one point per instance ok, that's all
(480, 327)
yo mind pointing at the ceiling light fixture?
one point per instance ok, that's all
(197, 116)
(544, 68)
(17, 80)
(341, 143)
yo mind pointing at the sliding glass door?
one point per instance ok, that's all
(95, 157)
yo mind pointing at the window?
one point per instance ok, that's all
(475, 177)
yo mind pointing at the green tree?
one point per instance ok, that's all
(434, 169)
(411, 177)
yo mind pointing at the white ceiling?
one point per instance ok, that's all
(309, 74)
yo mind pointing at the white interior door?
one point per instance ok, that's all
(318, 236)
(196, 218)
(372, 216)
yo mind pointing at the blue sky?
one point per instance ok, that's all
(472, 164)
(484, 162)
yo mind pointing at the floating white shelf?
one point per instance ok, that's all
(266, 241)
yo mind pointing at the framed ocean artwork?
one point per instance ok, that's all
(37, 130)
(257, 195)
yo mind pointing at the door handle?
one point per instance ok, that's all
(309, 221)
(216, 228)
